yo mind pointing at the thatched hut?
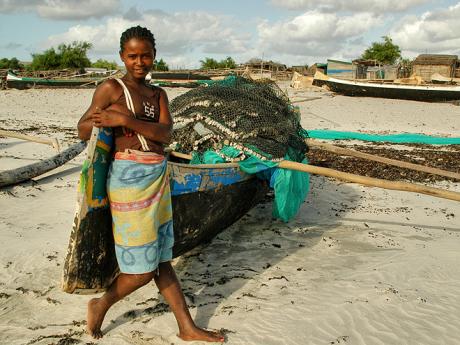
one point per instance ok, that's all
(425, 65)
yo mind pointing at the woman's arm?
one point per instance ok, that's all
(105, 94)
(160, 131)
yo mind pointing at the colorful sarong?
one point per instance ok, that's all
(140, 202)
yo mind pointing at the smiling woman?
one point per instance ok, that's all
(137, 185)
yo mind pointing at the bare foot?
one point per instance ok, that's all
(201, 334)
(95, 316)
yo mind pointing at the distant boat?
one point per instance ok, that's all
(17, 82)
(181, 83)
(425, 93)
(178, 76)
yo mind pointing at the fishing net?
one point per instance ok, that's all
(237, 118)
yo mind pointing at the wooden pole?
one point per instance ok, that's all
(364, 180)
(369, 181)
(10, 177)
(394, 162)
(53, 141)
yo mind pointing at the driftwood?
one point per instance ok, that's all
(27, 172)
(53, 142)
(401, 164)
(364, 180)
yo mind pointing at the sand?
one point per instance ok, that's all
(357, 265)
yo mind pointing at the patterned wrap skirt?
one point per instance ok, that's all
(140, 202)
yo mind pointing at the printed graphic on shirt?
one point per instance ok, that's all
(149, 110)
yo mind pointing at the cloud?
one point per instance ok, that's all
(373, 6)
(176, 34)
(316, 35)
(435, 31)
(63, 9)
(12, 46)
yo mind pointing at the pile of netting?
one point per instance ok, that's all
(250, 122)
(237, 118)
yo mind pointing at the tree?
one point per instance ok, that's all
(74, 55)
(160, 65)
(12, 63)
(228, 63)
(49, 59)
(385, 52)
(210, 63)
(109, 65)
(67, 56)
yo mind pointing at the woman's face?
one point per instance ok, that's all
(138, 56)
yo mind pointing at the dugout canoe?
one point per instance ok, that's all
(424, 93)
(27, 172)
(17, 82)
(183, 76)
(206, 199)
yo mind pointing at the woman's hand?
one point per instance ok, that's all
(104, 118)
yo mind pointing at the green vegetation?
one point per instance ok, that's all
(12, 63)
(66, 56)
(109, 65)
(385, 52)
(210, 63)
(160, 65)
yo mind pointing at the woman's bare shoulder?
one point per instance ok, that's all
(110, 88)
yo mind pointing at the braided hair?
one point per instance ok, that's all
(138, 32)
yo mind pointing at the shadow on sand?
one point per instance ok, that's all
(211, 273)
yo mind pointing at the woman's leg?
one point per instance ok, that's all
(169, 287)
(121, 287)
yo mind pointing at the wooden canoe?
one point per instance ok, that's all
(424, 93)
(27, 172)
(206, 199)
(22, 83)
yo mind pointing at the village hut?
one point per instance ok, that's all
(303, 69)
(373, 70)
(340, 69)
(426, 65)
(261, 69)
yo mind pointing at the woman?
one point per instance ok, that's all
(138, 185)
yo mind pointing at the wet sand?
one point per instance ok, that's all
(357, 265)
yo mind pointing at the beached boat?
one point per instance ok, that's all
(206, 199)
(182, 83)
(425, 93)
(209, 198)
(27, 172)
(178, 76)
(178, 79)
(17, 82)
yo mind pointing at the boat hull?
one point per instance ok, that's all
(205, 199)
(422, 93)
(202, 214)
(15, 82)
(49, 83)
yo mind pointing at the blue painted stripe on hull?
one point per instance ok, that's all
(204, 179)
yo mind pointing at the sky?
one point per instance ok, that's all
(293, 32)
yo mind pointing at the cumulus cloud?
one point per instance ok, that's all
(176, 34)
(434, 32)
(316, 34)
(62, 9)
(373, 6)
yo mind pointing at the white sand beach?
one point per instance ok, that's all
(358, 265)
